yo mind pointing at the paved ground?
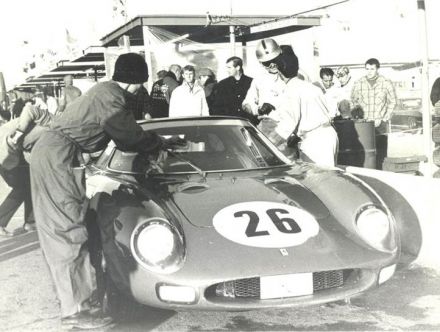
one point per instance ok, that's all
(409, 301)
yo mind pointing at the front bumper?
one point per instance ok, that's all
(353, 282)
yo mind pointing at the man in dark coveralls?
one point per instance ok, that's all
(58, 183)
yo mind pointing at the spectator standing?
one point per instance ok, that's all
(208, 81)
(17, 179)
(229, 93)
(177, 71)
(58, 182)
(17, 104)
(161, 74)
(69, 93)
(326, 75)
(376, 97)
(51, 101)
(189, 98)
(161, 92)
(304, 115)
(330, 90)
(14, 135)
(344, 93)
(435, 93)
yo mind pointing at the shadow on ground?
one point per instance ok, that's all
(19, 244)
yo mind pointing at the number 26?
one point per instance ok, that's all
(284, 225)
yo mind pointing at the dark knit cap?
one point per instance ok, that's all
(130, 68)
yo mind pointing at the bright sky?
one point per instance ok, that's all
(385, 27)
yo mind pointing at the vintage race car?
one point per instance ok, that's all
(227, 222)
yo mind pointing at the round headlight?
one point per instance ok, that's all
(374, 225)
(158, 246)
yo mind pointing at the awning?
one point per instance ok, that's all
(207, 29)
(89, 64)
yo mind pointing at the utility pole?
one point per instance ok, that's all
(426, 103)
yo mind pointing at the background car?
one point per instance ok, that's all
(227, 222)
(408, 115)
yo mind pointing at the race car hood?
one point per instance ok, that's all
(305, 210)
(201, 201)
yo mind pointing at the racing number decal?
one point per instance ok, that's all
(251, 229)
(281, 223)
(265, 224)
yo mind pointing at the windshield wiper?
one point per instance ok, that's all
(186, 162)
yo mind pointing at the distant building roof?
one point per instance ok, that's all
(90, 63)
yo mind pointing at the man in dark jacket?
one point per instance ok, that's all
(435, 93)
(228, 94)
(58, 182)
(162, 90)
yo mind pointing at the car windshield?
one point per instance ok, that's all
(208, 147)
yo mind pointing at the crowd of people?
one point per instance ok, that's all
(295, 114)
(298, 104)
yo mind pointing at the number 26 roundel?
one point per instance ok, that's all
(265, 224)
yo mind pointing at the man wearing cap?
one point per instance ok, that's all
(344, 92)
(304, 116)
(58, 182)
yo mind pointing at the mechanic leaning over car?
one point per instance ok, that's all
(58, 182)
(303, 118)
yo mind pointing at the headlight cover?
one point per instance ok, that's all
(376, 226)
(158, 246)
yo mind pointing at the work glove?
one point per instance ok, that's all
(265, 109)
(293, 140)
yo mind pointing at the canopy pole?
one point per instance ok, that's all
(426, 103)
(148, 55)
(232, 39)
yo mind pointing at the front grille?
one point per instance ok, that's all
(250, 287)
(327, 279)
